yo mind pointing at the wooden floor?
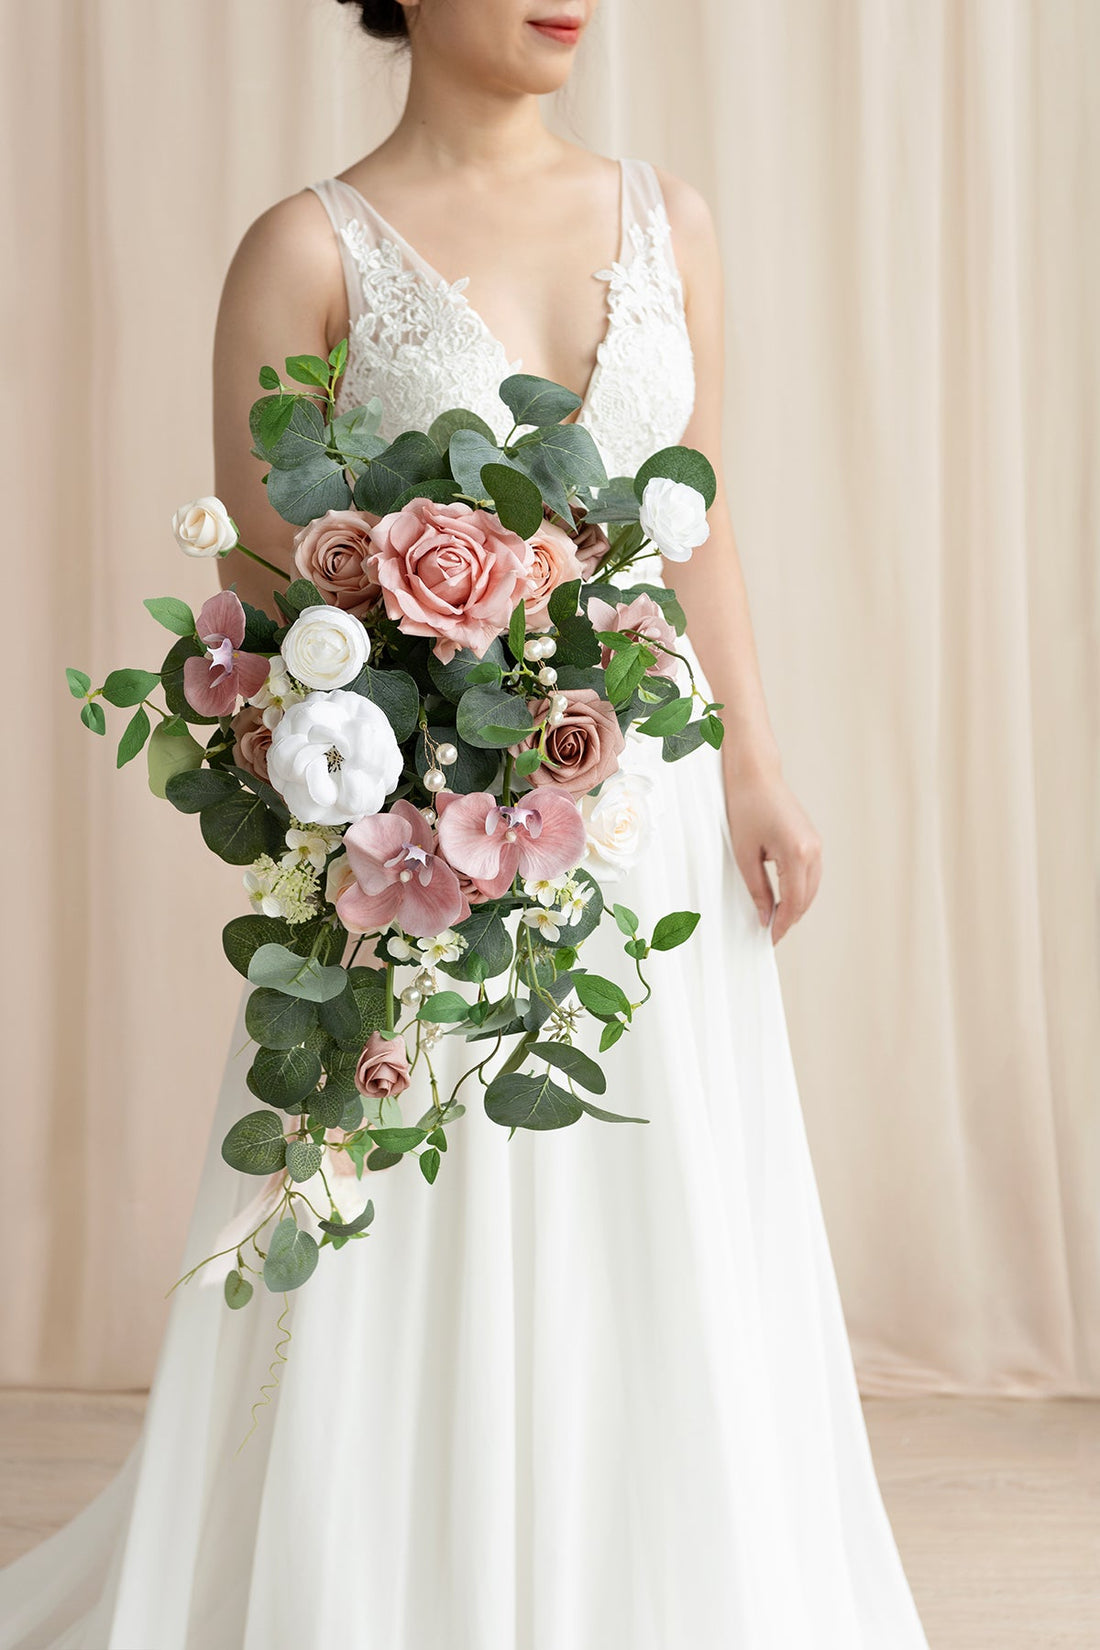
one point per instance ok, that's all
(995, 1503)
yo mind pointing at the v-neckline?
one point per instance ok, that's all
(458, 286)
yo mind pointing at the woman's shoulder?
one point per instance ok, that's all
(691, 222)
(289, 249)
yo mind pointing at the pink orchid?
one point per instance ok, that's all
(539, 837)
(399, 877)
(213, 683)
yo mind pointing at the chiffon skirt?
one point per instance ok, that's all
(590, 1391)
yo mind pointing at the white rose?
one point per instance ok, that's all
(333, 758)
(617, 823)
(325, 647)
(674, 516)
(204, 528)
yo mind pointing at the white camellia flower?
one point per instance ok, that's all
(674, 516)
(325, 647)
(333, 758)
(203, 528)
(617, 823)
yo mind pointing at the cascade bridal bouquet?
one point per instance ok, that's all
(418, 766)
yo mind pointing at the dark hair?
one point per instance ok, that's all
(384, 19)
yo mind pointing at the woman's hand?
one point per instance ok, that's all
(767, 821)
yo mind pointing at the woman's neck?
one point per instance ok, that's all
(448, 124)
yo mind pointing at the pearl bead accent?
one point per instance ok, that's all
(411, 997)
(548, 675)
(429, 814)
(446, 756)
(435, 779)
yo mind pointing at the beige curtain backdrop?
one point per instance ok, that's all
(906, 192)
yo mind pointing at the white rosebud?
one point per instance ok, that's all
(333, 758)
(203, 528)
(325, 647)
(617, 824)
(674, 516)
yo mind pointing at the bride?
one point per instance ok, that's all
(594, 1391)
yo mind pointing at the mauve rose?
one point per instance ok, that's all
(449, 572)
(590, 543)
(253, 739)
(554, 562)
(383, 1067)
(645, 618)
(585, 746)
(333, 553)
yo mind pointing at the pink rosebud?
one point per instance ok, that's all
(539, 837)
(399, 877)
(213, 683)
(383, 1067)
(644, 619)
(449, 572)
(555, 562)
(583, 749)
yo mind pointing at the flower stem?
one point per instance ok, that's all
(389, 1000)
(506, 786)
(270, 565)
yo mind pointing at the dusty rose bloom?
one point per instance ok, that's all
(253, 737)
(449, 572)
(333, 553)
(590, 543)
(585, 746)
(383, 1067)
(646, 619)
(555, 562)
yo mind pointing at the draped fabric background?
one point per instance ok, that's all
(907, 196)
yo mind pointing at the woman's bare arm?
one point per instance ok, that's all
(283, 295)
(766, 819)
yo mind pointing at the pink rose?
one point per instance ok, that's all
(449, 572)
(253, 739)
(590, 543)
(554, 562)
(645, 620)
(333, 553)
(585, 746)
(383, 1067)
(540, 836)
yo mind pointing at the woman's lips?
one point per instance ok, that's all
(558, 28)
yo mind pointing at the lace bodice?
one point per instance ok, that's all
(417, 343)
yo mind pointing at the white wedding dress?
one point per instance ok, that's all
(590, 1391)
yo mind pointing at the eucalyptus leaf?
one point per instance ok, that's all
(412, 458)
(278, 1021)
(452, 679)
(577, 1065)
(517, 500)
(490, 717)
(240, 829)
(683, 464)
(134, 737)
(170, 753)
(291, 1257)
(129, 687)
(303, 1159)
(191, 790)
(609, 1116)
(348, 1228)
(255, 1144)
(309, 490)
(396, 695)
(284, 1077)
(520, 1100)
(457, 418)
(237, 1290)
(277, 966)
(533, 400)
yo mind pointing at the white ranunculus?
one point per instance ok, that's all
(674, 516)
(617, 823)
(325, 647)
(203, 528)
(333, 758)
